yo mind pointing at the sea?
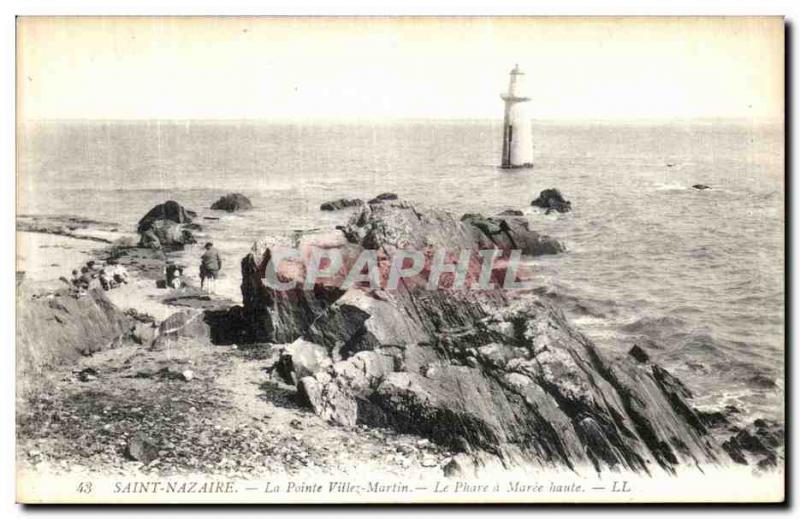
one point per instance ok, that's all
(695, 278)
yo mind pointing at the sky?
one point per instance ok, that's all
(383, 68)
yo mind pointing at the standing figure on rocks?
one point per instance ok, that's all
(210, 265)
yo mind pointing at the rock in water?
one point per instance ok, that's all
(701, 187)
(232, 202)
(476, 371)
(552, 200)
(169, 210)
(166, 225)
(639, 354)
(341, 203)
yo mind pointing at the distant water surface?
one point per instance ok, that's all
(694, 277)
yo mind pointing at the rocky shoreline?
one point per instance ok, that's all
(447, 381)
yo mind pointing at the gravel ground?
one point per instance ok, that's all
(132, 411)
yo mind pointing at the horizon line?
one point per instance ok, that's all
(354, 120)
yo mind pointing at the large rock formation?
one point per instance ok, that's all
(232, 202)
(166, 225)
(480, 371)
(60, 328)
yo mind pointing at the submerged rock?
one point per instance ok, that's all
(166, 225)
(552, 200)
(341, 203)
(477, 371)
(232, 202)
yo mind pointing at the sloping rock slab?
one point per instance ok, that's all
(186, 323)
(61, 328)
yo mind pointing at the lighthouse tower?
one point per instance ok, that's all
(517, 140)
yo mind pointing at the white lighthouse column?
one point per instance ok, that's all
(517, 138)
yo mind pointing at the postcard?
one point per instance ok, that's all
(400, 260)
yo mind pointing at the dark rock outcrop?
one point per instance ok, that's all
(166, 225)
(482, 372)
(509, 233)
(384, 197)
(510, 212)
(759, 443)
(232, 202)
(170, 210)
(552, 200)
(639, 354)
(340, 203)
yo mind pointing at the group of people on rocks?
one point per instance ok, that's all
(210, 265)
(108, 276)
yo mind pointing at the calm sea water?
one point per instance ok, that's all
(694, 277)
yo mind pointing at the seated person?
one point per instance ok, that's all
(106, 280)
(118, 273)
(173, 275)
(85, 279)
(75, 280)
(93, 268)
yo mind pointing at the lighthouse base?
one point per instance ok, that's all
(517, 166)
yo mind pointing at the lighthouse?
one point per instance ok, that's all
(517, 140)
